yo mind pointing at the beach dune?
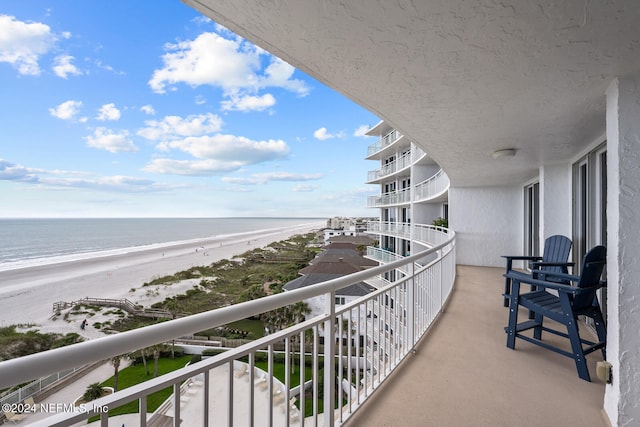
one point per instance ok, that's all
(27, 294)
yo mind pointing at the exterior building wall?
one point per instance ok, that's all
(425, 213)
(555, 201)
(423, 172)
(488, 222)
(622, 396)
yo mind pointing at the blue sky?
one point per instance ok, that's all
(119, 109)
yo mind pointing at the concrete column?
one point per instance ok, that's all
(622, 396)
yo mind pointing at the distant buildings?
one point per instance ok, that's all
(341, 226)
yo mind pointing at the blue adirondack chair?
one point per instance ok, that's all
(570, 302)
(554, 260)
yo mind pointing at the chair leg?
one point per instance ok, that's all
(601, 330)
(576, 348)
(537, 331)
(507, 283)
(513, 314)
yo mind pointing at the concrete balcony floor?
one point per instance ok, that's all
(464, 375)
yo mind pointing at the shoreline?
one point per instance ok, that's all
(27, 294)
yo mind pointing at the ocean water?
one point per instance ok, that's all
(25, 242)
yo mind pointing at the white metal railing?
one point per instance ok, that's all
(36, 386)
(394, 198)
(401, 163)
(429, 235)
(431, 187)
(392, 228)
(384, 142)
(417, 153)
(343, 375)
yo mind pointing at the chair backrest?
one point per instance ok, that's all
(556, 249)
(592, 265)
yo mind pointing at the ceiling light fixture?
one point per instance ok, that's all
(507, 152)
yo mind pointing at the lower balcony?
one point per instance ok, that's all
(462, 373)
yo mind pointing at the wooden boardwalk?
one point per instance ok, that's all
(123, 304)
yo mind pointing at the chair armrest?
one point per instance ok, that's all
(523, 278)
(557, 275)
(522, 257)
(552, 264)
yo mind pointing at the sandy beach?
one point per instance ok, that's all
(27, 295)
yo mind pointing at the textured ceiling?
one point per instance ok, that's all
(462, 78)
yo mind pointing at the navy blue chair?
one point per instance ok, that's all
(575, 299)
(554, 259)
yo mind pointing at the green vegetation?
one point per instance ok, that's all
(252, 275)
(94, 391)
(440, 222)
(17, 344)
(136, 374)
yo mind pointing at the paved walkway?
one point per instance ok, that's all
(70, 392)
(191, 399)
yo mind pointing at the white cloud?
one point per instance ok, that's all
(231, 148)
(209, 59)
(362, 130)
(173, 127)
(248, 103)
(304, 188)
(228, 62)
(322, 134)
(148, 109)
(72, 179)
(191, 167)
(348, 196)
(63, 67)
(108, 112)
(263, 178)
(279, 74)
(11, 172)
(114, 142)
(68, 110)
(23, 43)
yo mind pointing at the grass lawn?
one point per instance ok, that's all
(135, 374)
(279, 373)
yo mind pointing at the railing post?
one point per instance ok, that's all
(329, 362)
(411, 306)
(143, 410)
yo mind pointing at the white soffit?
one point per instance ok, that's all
(462, 78)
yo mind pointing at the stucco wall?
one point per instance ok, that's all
(555, 201)
(488, 223)
(622, 396)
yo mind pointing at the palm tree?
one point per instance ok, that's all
(156, 356)
(115, 361)
(93, 392)
(143, 352)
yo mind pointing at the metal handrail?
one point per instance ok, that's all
(418, 297)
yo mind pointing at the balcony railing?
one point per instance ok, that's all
(402, 196)
(390, 228)
(390, 168)
(383, 142)
(345, 369)
(429, 235)
(431, 187)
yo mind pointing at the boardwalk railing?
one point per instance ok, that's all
(342, 356)
(124, 304)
